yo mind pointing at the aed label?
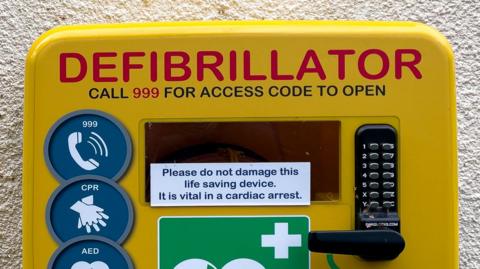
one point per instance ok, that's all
(90, 251)
(230, 184)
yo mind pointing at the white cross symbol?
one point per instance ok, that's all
(281, 241)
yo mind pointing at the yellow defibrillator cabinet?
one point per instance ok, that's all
(240, 145)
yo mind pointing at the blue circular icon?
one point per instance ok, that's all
(87, 142)
(90, 252)
(89, 205)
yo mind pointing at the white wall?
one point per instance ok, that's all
(21, 21)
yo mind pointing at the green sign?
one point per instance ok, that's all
(277, 242)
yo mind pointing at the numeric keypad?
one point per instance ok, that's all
(376, 176)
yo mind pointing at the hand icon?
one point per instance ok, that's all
(90, 214)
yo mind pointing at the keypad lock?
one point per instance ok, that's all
(376, 179)
(377, 232)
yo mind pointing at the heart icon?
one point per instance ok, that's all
(235, 264)
(243, 264)
(93, 265)
(194, 264)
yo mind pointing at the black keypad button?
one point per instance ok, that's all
(388, 204)
(388, 194)
(373, 185)
(388, 185)
(373, 175)
(373, 156)
(387, 156)
(388, 175)
(374, 195)
(374, 204)
(388, 166)
(373, 146)
(373, 166)
(388, 146)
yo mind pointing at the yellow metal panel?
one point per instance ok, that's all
(422, 110)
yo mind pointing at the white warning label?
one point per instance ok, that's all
(230, 184)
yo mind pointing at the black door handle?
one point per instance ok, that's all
(368, 244)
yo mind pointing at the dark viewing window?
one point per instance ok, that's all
(317, 142)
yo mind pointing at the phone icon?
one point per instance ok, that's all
(90, 164)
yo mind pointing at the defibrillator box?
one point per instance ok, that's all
(240, 145)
